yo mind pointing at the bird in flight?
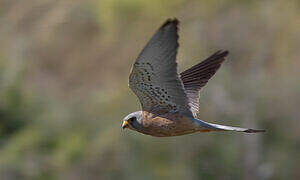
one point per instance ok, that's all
(170, 100)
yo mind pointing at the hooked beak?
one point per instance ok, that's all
(125, 124)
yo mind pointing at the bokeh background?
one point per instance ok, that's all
(64, 68)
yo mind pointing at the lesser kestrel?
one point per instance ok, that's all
(169, 100)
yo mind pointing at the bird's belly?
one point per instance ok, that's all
(168, 125)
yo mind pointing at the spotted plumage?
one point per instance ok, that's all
(169, 100)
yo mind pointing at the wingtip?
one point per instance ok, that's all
(226, 52)
(222, 52)
(171, 21)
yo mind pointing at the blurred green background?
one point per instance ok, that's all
(64, 68)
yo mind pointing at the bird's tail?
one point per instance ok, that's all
(217, 127)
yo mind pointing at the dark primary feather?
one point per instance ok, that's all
(197, 76)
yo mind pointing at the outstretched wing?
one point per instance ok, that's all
(154, 78)
(197, 76)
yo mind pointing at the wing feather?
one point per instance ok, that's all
(197, 76)
(154, 78)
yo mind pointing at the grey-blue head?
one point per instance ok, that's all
(133, 121)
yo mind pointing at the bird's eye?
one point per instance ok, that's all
(132, 119)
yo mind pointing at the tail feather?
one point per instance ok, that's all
(238, 129)
(218, 127)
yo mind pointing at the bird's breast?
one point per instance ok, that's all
(170, 124)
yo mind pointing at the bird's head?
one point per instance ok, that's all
(133, 121)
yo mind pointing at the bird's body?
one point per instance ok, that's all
(169, 124)
(175, 124)
(169, 100)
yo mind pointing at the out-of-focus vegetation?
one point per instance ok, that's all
(64, 69)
